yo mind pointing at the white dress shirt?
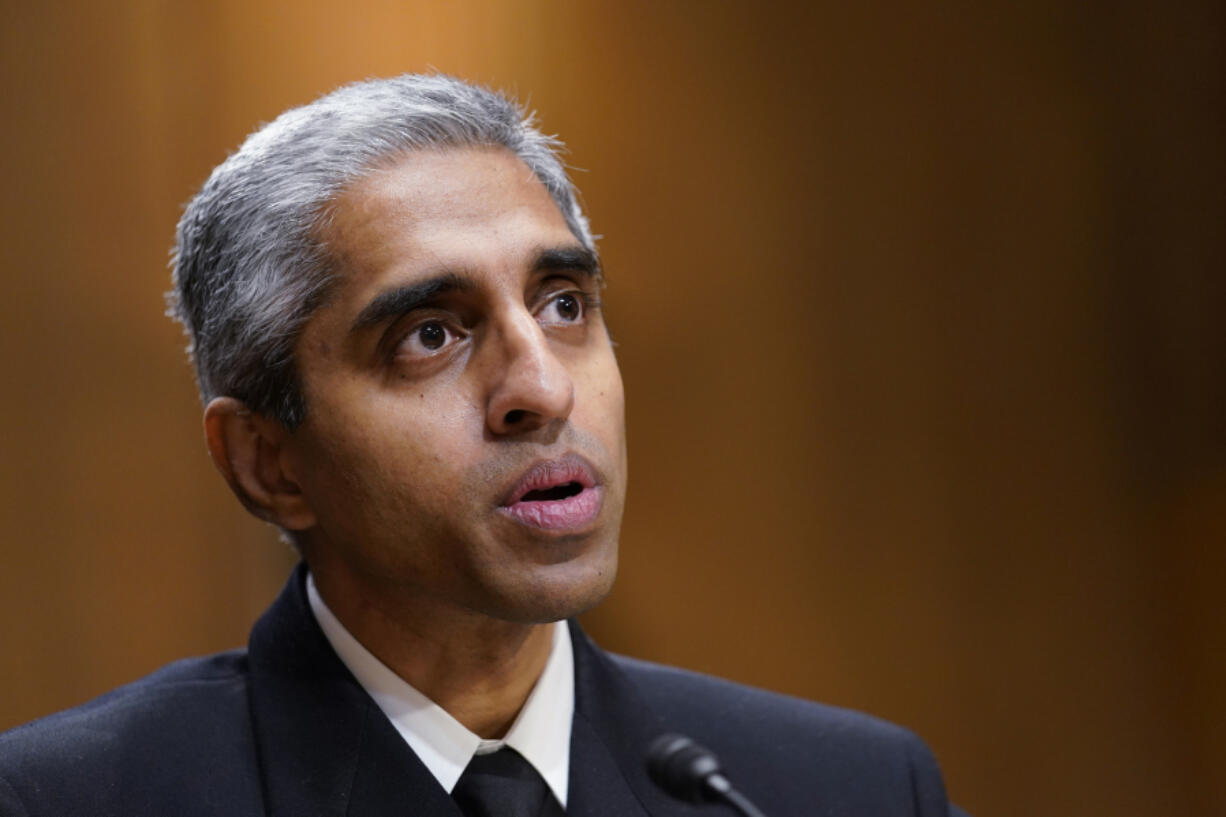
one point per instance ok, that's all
(541, 731)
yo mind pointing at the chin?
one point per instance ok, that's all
(558, 592)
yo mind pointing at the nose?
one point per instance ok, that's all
(531, 387)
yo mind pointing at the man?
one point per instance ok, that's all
(393, 301)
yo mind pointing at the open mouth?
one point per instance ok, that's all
(557, 495)
(549, 494)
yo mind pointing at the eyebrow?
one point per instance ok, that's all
(567, 259)
(402, 300)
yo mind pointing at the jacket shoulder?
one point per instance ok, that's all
(173, 728)
(700, 698)
(766, 736)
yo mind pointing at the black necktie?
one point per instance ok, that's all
(503, 784)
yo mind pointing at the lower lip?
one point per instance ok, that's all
(571, 513)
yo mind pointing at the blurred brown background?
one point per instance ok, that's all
(919, 310)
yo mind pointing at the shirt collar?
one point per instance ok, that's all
(541, 731)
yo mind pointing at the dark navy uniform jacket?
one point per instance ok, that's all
(283, 729)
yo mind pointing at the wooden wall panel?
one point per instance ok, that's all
(918, 311)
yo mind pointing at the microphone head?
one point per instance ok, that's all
(682, 768)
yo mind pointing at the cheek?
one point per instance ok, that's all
(606, 397)
(389, 457)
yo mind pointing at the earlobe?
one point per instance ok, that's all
(248, 451)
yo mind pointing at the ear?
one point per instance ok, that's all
(249, 451)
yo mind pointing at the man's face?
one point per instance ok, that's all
(464, 445)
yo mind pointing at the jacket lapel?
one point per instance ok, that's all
(326, 749)
(324, 746)
(610, 734)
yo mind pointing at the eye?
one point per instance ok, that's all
(565, 307)
(432, 335)
(427, 338)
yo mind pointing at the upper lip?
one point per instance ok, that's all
(545, 474)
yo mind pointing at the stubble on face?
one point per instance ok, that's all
(406, 457)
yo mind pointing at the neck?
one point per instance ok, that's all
(477, 668)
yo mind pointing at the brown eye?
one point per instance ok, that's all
(428, 339)
(564, 309)
(569, 308)
(432, 336)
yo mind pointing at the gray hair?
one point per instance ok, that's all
(249, 268)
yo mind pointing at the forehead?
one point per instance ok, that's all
(458, 206)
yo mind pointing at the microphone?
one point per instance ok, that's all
(691, 772)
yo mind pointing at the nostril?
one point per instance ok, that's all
(514, 417)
